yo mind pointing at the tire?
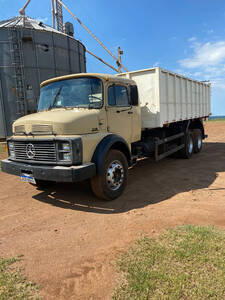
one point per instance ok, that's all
(43, 184)
(188, 149)
(105, 186)
(197, 136)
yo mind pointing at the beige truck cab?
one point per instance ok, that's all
(82, 120)
(90, 126)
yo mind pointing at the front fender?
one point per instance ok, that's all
(111, 141)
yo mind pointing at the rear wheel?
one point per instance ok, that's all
(111, 183)
(197, 136)
(188, 149)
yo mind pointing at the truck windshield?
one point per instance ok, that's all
(83, 92)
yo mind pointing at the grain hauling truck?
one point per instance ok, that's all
(95, 126)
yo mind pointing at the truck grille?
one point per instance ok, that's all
(35, 151)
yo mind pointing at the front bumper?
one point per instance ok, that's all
(51, 173)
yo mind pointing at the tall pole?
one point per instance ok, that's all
(22, 10)
(59, 15)
(85, 27)
(53, 14)
(120, 52)
(104, 62)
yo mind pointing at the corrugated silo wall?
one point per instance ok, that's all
(7, 82)
(45, 55)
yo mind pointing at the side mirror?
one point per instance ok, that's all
(134, 95)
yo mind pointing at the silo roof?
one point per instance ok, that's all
(26, 22)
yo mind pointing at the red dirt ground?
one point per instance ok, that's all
(70, 240)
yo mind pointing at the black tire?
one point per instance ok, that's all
(109, 186)
(188, 149)
(197, 136)
(43, 184)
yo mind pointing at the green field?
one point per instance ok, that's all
(216, 119)
(13, 285)
(184, 263)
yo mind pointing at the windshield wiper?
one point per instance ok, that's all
(54, 101)
(95, 97)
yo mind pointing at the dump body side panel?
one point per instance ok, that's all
(167, 97)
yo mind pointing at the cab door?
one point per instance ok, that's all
(119, 112)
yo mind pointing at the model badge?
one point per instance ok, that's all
(30, 150)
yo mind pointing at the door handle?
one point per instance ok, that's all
(129, 112)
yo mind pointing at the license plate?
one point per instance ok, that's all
(27, 178)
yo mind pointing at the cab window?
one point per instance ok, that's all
(118, 96)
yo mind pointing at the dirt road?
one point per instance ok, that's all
(70, 240)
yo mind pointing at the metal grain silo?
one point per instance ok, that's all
(31, 52)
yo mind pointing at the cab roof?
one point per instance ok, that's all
(104, 77)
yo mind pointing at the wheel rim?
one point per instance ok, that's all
(190, 146)
(199, 143)
(115, 175)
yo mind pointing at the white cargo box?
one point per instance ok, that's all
(167, 97)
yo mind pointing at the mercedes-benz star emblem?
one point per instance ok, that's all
(30, 150)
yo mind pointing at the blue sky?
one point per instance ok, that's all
(186, 37)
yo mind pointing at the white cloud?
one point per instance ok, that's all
(218, 83)
(43, 20)
(207, 54)
(192, 39)
(156, 64)
(197, 74)
(207, 62)
(210, 31)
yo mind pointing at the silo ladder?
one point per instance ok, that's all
(18, 64)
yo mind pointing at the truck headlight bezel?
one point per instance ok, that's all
(69, 151)
(11, 149)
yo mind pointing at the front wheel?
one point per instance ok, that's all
(111, 183)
